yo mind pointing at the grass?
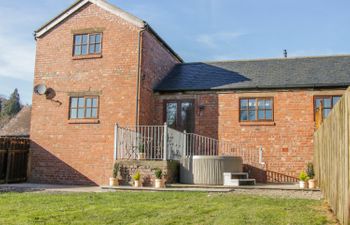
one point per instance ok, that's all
(157, 208)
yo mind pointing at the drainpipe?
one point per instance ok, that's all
(138, 76)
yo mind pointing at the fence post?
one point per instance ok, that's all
(116, 141)
(185, 144)
(165, 141)
(8, 166)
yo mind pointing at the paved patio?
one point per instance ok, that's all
(271, 190)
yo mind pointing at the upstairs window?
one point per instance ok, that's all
(256, 109)
(328, 102)
(84, 107)
(87, 44)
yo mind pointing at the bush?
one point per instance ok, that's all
(116, 170)
(137, 176)
(310, 171)
(158, 173)
(303, 176)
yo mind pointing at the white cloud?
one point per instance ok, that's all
(217, 40)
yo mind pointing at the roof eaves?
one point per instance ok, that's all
(79, 4)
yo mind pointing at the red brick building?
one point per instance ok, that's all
(103, 66)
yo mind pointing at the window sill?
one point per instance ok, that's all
(257, 123)
(97, 56)
(84, 121)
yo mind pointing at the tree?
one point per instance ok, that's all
(12, 106)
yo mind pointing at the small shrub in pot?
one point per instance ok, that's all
(311, 174)
(137, 178)
(302, 179)
(113, 181)
(158, 181)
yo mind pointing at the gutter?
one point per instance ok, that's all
(313, 86)
(139, 64)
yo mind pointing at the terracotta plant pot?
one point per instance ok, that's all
(312, 184)
(302, 184)
(158, 183)
(113, 182)
(137, 183)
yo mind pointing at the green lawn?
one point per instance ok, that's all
(157, 208)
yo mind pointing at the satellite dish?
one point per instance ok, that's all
(40, 89)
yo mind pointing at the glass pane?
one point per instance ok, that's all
(326, 112)
(327, 103)
(186, 121)
(171, 110)
(98, 48)
(244, 104)
(88, 113)
(92, 49)
(80, 113)
(92, 39)
(261, 115)
(84, 49)
(94, 102)
(73, 113)
(252, 104)
(261, 104)
(77, 39)
(77, 50)
(251, 115)
(85, 39)
(88, 102)
(318, 103)
(268, 104)
(94, 113)
(98, 38)
(73, 102)
(335, 100)
(268, 114)
(81, 102)
(244, 116)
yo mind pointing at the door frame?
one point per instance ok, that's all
(178, 112)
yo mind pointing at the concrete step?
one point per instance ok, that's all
(239, 182)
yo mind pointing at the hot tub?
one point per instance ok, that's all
(208, 170)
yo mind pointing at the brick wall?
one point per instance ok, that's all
(82, 153)
(287, 143)
(170, 171)
(157, 61)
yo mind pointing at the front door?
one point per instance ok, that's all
(180, 115)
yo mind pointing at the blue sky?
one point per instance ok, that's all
(198, 30)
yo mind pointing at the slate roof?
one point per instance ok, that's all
(306, 72)
(18, 125)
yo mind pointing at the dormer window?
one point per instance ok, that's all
(87, 44)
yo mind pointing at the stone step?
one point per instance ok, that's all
(239, 175)
(239, 182)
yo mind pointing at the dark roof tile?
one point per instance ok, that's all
(328, 71)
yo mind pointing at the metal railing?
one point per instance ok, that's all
(165, 143)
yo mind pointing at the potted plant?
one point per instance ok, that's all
(311, 174)
(158, 181)
(302, 179)
(141, 151)
(137, 177)
(113, 181)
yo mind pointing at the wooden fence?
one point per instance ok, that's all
(13, 159)
(332, 158)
